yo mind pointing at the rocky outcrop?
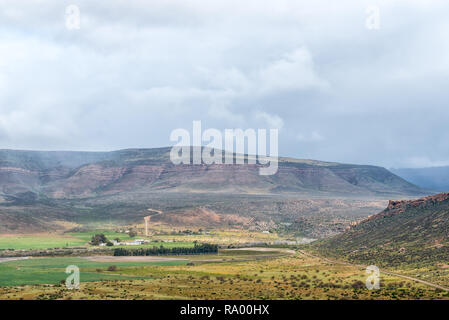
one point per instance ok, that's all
(398, 207)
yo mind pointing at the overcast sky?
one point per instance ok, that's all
(136, 70)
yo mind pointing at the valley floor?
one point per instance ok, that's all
(232, 274)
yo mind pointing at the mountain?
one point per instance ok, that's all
(42, 191)
(406, 232)
(433, 178)
(60, 175)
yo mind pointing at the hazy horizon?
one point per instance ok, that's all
(167, 146)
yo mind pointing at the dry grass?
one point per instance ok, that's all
(238, 277)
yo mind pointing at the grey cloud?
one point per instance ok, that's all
(137, 70)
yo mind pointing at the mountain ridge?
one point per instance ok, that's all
(66, 174)
(39, 190)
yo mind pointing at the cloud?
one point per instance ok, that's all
(272, 120)
(136, 70)
(294, 71)
(314, 136)
(423, 161)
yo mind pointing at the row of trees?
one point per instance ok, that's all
(204, 248)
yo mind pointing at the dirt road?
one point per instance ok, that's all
(132, 259)
(158, 212)
(283, 250)
(431, 284)
(13, 259)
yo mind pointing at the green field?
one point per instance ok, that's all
(73, 239)
(87, 236)
(39, 242)
(52, 270)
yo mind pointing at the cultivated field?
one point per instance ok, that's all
(52, 270)
(232, 274)
(39, 241)
(161, 235)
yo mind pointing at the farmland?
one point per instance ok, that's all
(51, 241)
(39, 241)
(162, 236)
(263, 272)
(232, 274)
(52, 270)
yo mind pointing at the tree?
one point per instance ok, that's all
(132, 233)
(203, 248)
(98, 239)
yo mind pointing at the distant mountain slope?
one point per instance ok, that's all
(405, 232)
(434, 178)
(90, 174)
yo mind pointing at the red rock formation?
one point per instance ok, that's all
(397, 207)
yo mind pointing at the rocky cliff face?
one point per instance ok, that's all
(80, 175)
(402, 206)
